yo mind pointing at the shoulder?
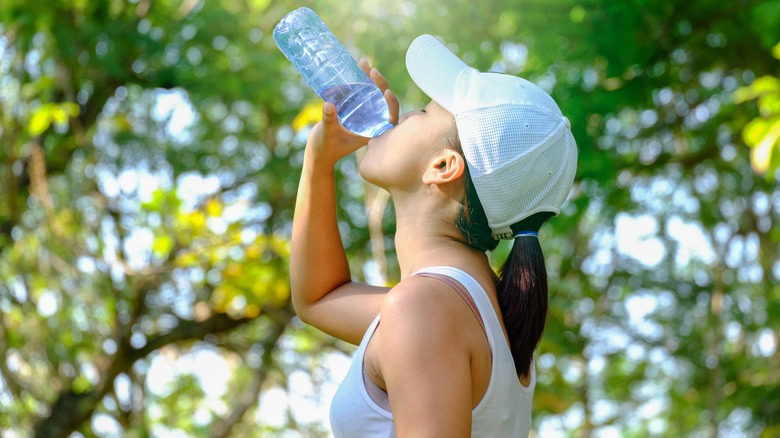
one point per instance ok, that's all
(423, 357)
(421, 303)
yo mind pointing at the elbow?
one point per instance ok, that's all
(302, 309)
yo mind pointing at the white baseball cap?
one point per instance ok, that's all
(519, 148)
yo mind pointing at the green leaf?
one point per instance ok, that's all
(50, 113)
(162, 245)
(754, 131)
(81, 385)
(759, 87)
(764, 149)
(40, 120)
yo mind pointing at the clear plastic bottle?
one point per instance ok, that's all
(332, 72)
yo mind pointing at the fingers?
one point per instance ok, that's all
(328, 111)
(329, 141)
(365, 65)
(392, 101)
(332, 127)
(393, 106)
(330, 120)
(373, 74)
(380, 81)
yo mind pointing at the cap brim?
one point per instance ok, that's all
(435, 70)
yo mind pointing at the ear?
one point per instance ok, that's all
(444, 168)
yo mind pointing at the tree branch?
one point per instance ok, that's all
(217, 323)
(71, 409)
(249, 397)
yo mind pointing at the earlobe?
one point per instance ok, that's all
(445, 168)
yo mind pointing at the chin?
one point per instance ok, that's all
(370, 171)
(365, 171)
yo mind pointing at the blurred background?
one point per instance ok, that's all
(149, 158)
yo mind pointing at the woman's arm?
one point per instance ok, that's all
(425, 343)
(323, 293)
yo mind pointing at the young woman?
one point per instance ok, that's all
(448, 351)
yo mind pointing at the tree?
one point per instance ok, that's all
(129, 223)
(762, 134)
(150, 153)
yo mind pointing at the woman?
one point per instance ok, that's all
(448, 351)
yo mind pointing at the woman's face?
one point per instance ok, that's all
(398, 158)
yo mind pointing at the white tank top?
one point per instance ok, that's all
(504, 411)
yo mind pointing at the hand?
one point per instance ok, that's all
(381, 82)
(329, 141)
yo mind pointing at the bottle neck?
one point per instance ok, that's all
(381, 130)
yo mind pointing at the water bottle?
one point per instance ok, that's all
(333, 74)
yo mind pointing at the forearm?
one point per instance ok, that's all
(318, 262)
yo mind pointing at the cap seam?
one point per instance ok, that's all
(532, 105)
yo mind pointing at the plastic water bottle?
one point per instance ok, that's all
(332, 72)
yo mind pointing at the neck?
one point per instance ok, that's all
(426, 235)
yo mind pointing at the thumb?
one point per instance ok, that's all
(333, 129)
(330, 120)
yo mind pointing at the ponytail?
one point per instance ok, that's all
(522, 283)
(522, 293)
(522, 280)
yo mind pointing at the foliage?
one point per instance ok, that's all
(150, 154)
(763, 133)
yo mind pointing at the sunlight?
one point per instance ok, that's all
(635, 237)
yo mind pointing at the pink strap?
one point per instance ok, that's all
(461, 290)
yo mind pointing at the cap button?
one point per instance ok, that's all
(567, 122)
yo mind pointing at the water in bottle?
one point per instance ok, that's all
(361, 107)
(332, 72)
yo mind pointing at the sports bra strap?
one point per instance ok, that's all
(461, 290)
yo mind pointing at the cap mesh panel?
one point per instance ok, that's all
(522, 160)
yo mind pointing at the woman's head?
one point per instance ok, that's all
(519, 148)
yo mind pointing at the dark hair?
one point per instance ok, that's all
(522, 280)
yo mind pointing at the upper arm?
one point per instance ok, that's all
(424, 361)
(346, 312)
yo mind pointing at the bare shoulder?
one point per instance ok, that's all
(424, 358)
(421, 303)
